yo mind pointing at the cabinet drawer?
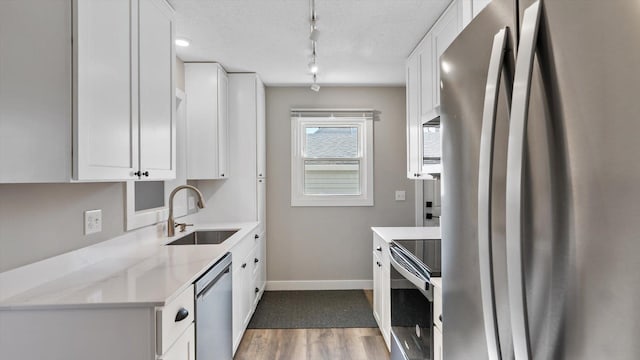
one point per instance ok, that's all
(241, 251)
(168, 329)
(257, 260)
(381, 248)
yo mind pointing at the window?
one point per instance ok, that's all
(332, 159)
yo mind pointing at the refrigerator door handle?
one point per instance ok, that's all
(515, 174)
(499, 54)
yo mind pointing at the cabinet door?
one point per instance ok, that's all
(223, 124)
(206, 86)
(261, 265)
(413, 117)
(105, 111)
(157, 124)
(184, 348)
(248, 285)
(386, 300)
(242, 286)
(444, 32)
(35, 91)
(261, 135)
(437, 344)
(427, 73)
(377, 290)
(262, 204)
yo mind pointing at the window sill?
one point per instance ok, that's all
(311, 201)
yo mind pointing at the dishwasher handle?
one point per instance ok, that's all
(214, 281)
(206, 281)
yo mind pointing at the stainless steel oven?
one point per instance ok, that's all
(414, 263)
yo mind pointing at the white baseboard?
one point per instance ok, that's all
(320, 285)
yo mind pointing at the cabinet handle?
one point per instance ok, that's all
(440, 318)
(259, 174)
(378, 263)
(256, 260)
(222, 175)
(244, 265)
(379, 248)
(182, 314)
(256, 236)
(141, 174)
(257, 290)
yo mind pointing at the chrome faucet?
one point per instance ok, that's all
(171, 224)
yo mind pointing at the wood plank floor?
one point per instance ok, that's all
(313, 344)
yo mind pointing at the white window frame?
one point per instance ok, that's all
(365, 152)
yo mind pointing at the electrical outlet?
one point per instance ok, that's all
(92, 221)
(400, 195)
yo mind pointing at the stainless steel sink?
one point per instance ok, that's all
(206, 237)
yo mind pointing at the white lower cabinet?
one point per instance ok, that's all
(437, 344)
(437, 319)
(80, 333)
(184, 348)
(247, 284)
(382, 287)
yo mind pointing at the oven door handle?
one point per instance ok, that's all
(421, 284)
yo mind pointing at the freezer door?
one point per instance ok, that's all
(580, 200)
(462, 100)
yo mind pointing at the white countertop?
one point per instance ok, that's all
(407, 233)
(148, 275)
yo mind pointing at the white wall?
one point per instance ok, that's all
(333, 243)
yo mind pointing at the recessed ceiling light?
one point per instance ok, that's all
(182, 42)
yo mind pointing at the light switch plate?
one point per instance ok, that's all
(92, 221)
(400, 195)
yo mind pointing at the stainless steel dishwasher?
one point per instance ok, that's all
(213, 312)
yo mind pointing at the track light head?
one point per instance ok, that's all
(314, 34)
(313, 67)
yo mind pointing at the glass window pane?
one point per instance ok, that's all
(331, 142)
(327, 177)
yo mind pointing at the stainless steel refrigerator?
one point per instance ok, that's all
(541, 182)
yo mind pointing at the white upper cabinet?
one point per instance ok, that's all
(444, 32)
(426, 61)
(35, 91)
(105, 123)
(413, 117)
(261, 131)
(157, 120)
(423, 90)
(206, 86)
(98, 108)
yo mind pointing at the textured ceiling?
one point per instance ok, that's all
(362, 42)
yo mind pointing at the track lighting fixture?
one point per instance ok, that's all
(313, 36)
